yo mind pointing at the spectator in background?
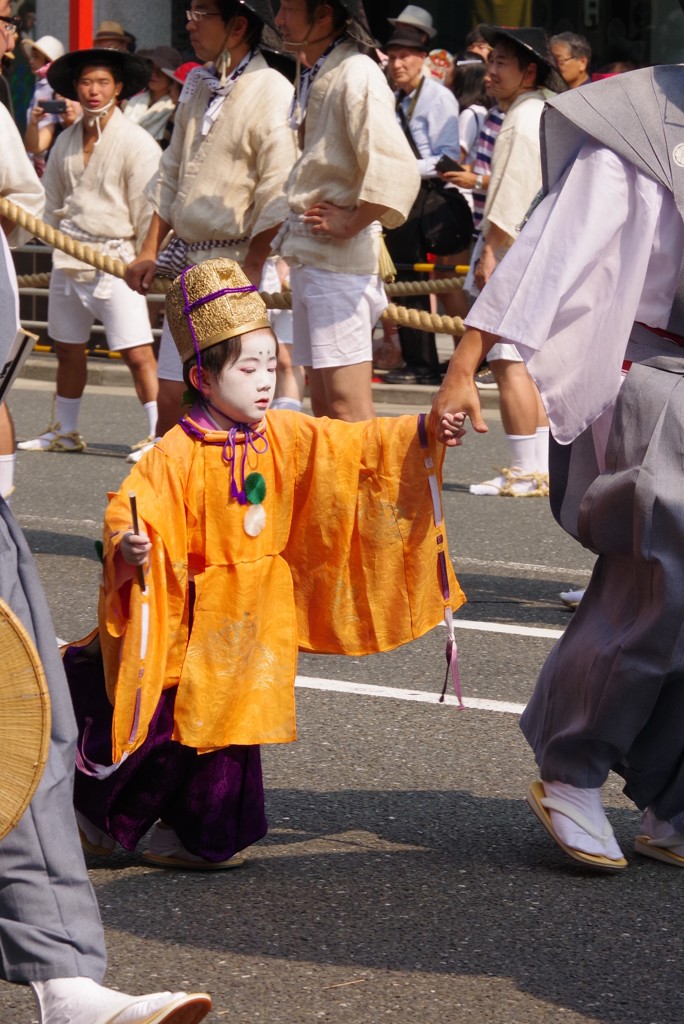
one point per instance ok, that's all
(9, 27)
(112, 36)
(153, 107)
(17, 68)
(40, 56)
(428, 113)
(468, 82)
(573, 56)
(177, 82)
(476, 43)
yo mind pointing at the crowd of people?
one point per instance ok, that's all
(257, 529)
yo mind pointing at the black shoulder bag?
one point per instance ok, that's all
(445, 223)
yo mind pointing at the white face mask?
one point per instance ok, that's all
(243, 390)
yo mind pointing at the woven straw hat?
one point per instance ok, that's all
(24, 720)
(216, 301)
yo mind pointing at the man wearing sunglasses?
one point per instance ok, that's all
(220, 186)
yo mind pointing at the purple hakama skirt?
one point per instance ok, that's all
(214, 802)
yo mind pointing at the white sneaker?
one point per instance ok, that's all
(571, 598)
(53, 440)
(512, 483)
(83, 1001)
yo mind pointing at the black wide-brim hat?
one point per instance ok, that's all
(359, 27)
(536, 42)
(133, 71)
(263, 10)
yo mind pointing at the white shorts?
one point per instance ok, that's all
(504, 350)
(334, 316)
(169, 366)
(281, 319)
(74, 306)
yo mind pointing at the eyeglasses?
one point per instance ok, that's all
(10, 25)
(562, 61)
(198, 16)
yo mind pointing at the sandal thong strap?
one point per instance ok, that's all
(57, 443)
(579, 819)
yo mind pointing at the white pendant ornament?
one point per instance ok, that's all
(255, 520)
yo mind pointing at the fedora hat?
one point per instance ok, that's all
(24, 720)
(133, 71)
(110, 31)
(163, 57)
(536, 42)
(417, 17)
(48, 46)
(409, 37)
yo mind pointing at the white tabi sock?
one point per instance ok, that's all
(66, 414)
(542, 450)
(7, 464)
(587, 802)
(83, 1001)
(656, 828)
(151, 412)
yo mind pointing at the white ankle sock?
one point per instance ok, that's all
(151, 412)
(588, 803)
(542, 449)
(7, 464)
(287, 403)
(66, 414)
(523, 448)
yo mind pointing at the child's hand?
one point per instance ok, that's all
(451, 430)
(135, 548)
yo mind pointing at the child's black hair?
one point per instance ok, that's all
(214, 358)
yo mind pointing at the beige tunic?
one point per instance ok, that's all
(102, 203)
(354, 152)
(229, 184)
(516, 165)
(18, 180)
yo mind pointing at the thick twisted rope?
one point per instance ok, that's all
(418, 319)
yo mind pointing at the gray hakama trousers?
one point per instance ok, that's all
(49, 922)
(611, 693)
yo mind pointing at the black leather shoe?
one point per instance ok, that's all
(413, 376)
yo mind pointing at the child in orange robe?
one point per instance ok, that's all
(260, 533)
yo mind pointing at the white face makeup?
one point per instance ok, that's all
(244, 389)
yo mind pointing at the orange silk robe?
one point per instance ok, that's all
(346, 564)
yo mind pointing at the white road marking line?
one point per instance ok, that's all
(419, 696)
(501, 627)
(56, 520)
(543, 570)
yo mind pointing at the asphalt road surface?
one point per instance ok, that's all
(403, 877)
